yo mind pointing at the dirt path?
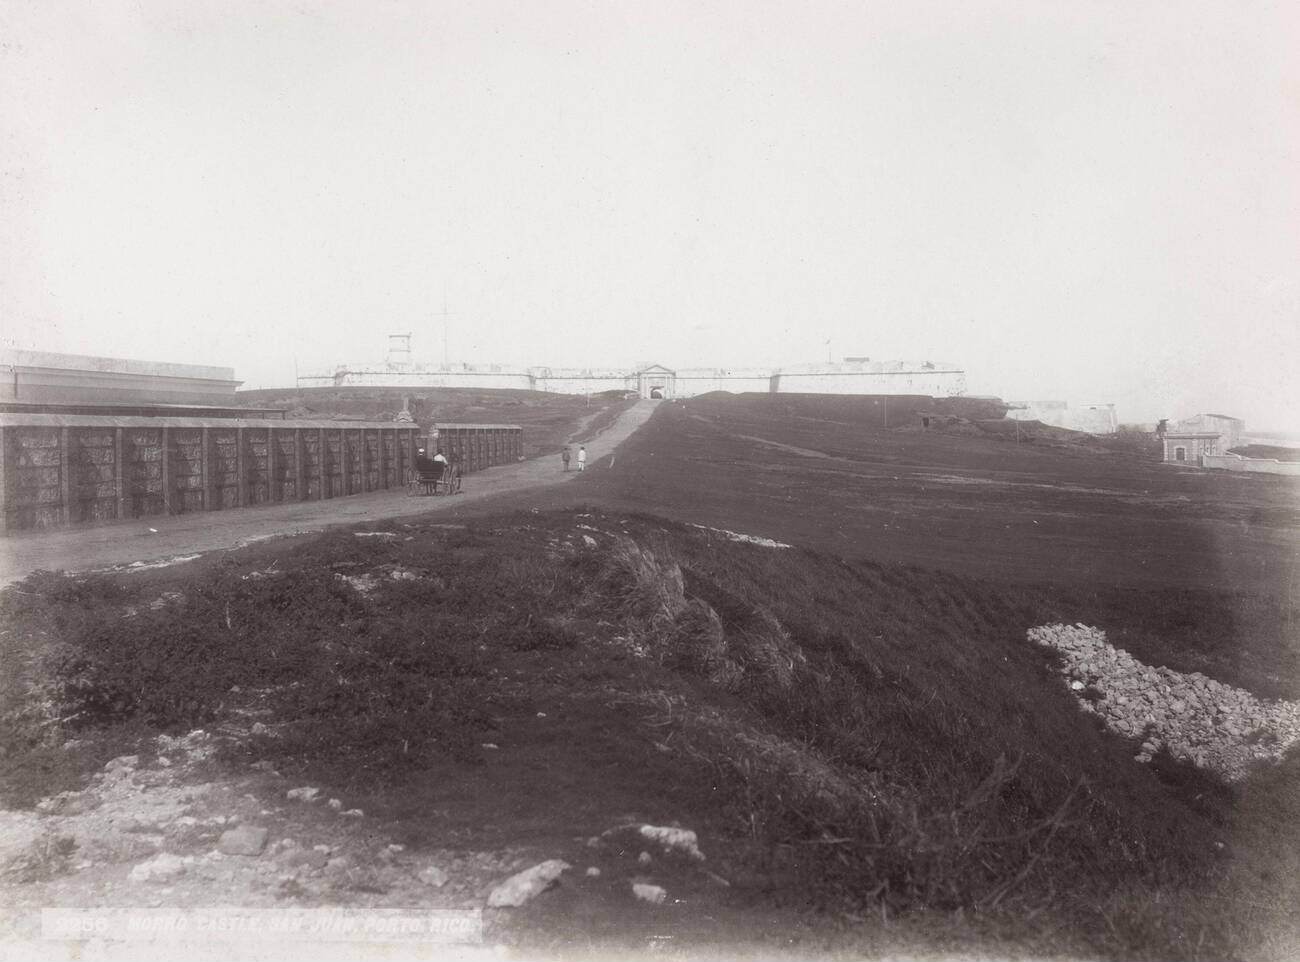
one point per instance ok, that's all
(580, 432)
(184, 536)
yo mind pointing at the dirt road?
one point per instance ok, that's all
(181, 536)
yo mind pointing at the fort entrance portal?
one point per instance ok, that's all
(656, 382)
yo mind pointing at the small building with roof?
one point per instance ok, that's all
(1190, 440)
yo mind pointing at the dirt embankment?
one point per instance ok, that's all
(482, 708)
(419, 712)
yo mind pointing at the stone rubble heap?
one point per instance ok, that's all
(1197, 719)
(145, 832)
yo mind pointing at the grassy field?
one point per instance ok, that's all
(873, 755)
(1209, 557)
(974, 504)
(549, 420)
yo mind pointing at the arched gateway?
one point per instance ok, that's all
(656, 381)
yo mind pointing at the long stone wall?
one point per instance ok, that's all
(583, 384)
(477, 446)
(876, 378)
(507, 380)
(1089, 418)
(932, 383)
(1235, 462)
(691, 383)
(63, 469)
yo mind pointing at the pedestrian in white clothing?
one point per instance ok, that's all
(582, 457)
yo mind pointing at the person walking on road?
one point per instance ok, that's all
(564, 456)
(582, 457)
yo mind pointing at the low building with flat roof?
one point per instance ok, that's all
(43, 377)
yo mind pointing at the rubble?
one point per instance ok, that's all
(161, 868)
(363, 583)
(654, 894)
(69, 803)
(527, 885)
(245, 840)
(744, 538)
(432, 875)
(1195, 718)
(680, 842)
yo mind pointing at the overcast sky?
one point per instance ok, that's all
(1094, 201)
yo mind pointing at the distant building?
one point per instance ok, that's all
(858, 375)
(41, 377)
(1190, 440)
(1089, 418)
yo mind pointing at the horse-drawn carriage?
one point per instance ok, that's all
(429, 476)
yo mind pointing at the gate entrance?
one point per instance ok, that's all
(656, 381)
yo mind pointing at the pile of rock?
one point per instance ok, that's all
(1195, 718)
(629, 865)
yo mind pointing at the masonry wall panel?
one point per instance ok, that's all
(284, 476)
(92, 465)
(71, 469)
(257, 467)
(142, 471)
(184, 457)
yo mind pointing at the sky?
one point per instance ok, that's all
(1090, 201)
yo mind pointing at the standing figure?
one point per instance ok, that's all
(564, 456)
(582, 457)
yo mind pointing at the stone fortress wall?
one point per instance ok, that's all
(936, 379)
(453, 377)
(851, 376)
(1092, 418)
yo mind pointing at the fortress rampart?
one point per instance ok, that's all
(856, 376)
(1090, 418)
